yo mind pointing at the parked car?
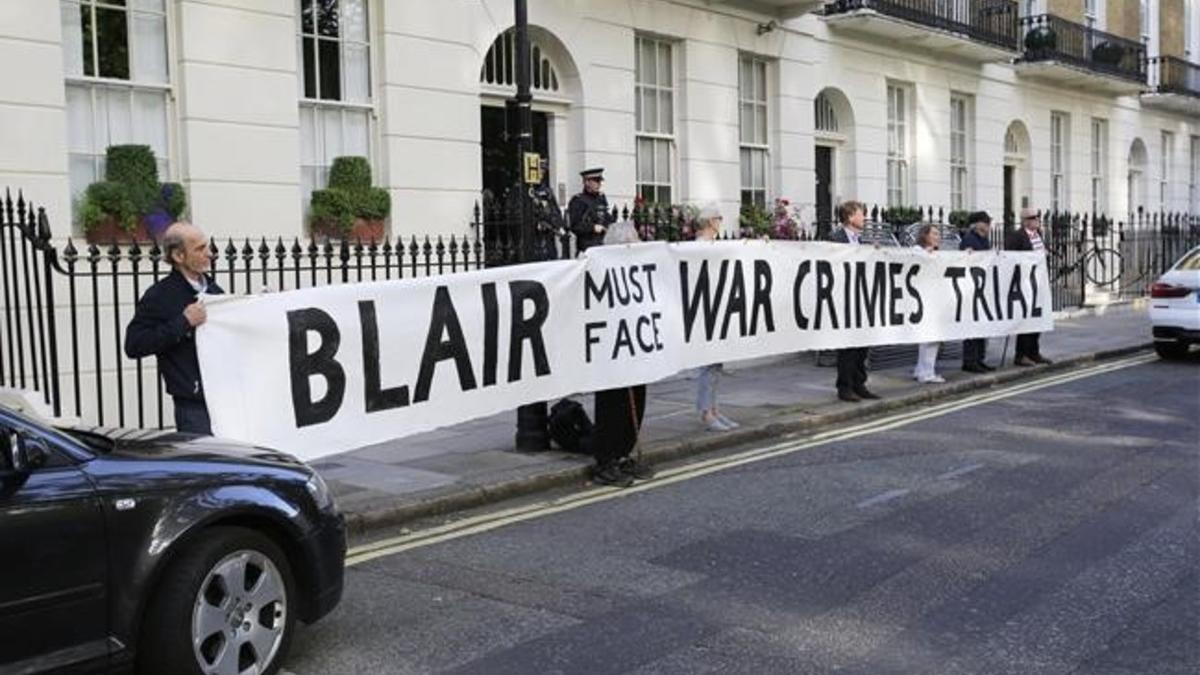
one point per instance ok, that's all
(174, 553)
(1175, 307)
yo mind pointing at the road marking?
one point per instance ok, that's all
(881, 498)
(956, 473)
(790, 444)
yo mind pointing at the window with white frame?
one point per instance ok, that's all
(655, 111)
(752, 129)
(1099, 164)
(898, 115)
(960, 150)
(1164, 173)
(1194, 176)
(1060, 132)
(1093, 14)
(336, 110)
(118, 85)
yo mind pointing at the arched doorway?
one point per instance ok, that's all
(1136, 181)
(833, 136)
(1017, 171)
(555, 87)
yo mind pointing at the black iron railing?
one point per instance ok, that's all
(1046, 37)
(990, 21)
(1169, 75)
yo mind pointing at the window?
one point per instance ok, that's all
(752, 129)
(1194, 176)
(117, 80)
(335, 86)
(1093, 14)
(1164, 173)
(898, 145)
(1099, 164)
(960, 148)
(825, 114)
(1060, 131)
(655, 110)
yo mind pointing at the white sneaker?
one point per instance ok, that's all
(728, 422)
(932, 379)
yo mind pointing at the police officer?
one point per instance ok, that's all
(588, 211)
(547, 217)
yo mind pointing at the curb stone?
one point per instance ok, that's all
(455, 498)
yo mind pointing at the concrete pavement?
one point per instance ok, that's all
(473, 464)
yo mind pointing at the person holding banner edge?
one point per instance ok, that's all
(708, 226)
(852, 362)
(977, 238)
(166, 318)
(1027, 237)
(929, 238)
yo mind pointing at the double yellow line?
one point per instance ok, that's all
(788, 445)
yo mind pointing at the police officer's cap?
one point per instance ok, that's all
(596, 173)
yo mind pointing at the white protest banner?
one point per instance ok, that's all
(324, 370)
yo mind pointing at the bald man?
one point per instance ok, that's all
(165, 322)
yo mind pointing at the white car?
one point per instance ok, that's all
(1175, 307)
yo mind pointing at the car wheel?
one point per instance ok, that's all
(225, 606)
(1171, 350)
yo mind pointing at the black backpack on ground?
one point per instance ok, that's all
(569, 425)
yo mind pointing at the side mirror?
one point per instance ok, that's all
(22, 454)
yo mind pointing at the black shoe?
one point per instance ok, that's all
(986, 367)
(1041, 359)
(848, 396)
(866, 393)
(636, 469)
(973, 368)
(611, 474)
(1024, 361)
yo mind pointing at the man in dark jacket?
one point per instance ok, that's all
(166, 319)
(588, 211)
(1027, 237)
(852, 362)
(977, 238)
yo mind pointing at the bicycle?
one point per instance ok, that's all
(1101, 265)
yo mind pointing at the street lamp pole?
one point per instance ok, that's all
(531, 419)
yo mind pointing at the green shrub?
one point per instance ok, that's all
(902, 215)
(372, 204)
(174, 199)
(958, 218)
(134, 167)
(108, 199)
(755, 221)
(333, 208)
(350, 173)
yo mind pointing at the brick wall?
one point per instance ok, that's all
(1171, 28)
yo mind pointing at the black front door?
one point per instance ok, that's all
(500, 167)
(1010, 216)
(53, 567)
(824, 189)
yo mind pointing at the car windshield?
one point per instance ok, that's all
(1190, 261)
(71, 437)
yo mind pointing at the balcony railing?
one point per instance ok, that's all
(1050, 38)
(1169, 75)
(990, 21)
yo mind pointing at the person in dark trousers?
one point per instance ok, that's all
(977, 238)
(165, 321)
(619, 414)
(852, 362)
(588, 211)
(1027, 237)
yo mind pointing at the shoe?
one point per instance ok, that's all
(636, 469)
(715, 424)
(728, 422)
(848, 396)
(986, 367)
(866, 393)
(973, 368)
(932, 379)
(611, 474)
(1024, 361)
(1042, 360)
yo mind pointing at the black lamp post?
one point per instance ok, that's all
(531, 419)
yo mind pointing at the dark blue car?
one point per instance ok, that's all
(169, 552)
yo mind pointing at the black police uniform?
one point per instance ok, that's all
(585, 212)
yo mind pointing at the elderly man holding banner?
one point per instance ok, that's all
(852, 361)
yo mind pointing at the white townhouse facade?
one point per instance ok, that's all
(1082, 105)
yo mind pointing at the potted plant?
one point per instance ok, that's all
(130, 204)
(1108, 53)
(1041, 38)
(350, 208)
(755, 221)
